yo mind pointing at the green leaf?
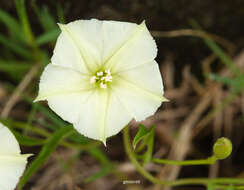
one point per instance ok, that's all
(102, 158)
(14, 68)
(51, 115)
(237, 82)
(141, 134)
(75, 136)
(150, 144)
(44, 154)
(210, 186)
(16, 48)
(219, 52)
(80, 139)
(47, 21)
(48, 37)
(147, 137)
(28, 141)
(60, 13)
(223, 56)
(21, 10)
(105, 171)
(224, 80)
(231, 187)
(12, 25)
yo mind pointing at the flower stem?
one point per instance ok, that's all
(187, 181)
(210, 160)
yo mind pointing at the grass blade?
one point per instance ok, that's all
(12, 25)
(15, 47)
(48, 37)
(28, 141)
(21, 10)
(44, 154)
(102, 158)
(223, 57)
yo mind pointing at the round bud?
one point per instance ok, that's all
(222, 148)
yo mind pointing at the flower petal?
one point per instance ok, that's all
(67, 54)
(11, 169)
(12, 163)
(117, 117)
(57, 80)
(139, 98)
(8, 143)
(115, 35)
(138, 49)
(91, 122)
(86, 35)
(69, 106)
(146, 76)
(106, 118)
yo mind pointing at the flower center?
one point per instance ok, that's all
(102, 78)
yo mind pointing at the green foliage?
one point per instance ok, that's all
(52, 131)
(12, 25)
(21, 10)
(48, 37)
(210, 186)
(24, 46)
(146, 136)
(106, 165)
(15, 69)
(237, 82)
(46, 20)
(44, 154)
(27, 140)
(60, 13)
(231, 187)
(15, 47)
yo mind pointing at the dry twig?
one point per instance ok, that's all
(19, 90)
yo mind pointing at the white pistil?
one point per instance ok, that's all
(103, 85)
(108, 72)
(102, 78)
(93, 79)
(108, 78)
(100, 73)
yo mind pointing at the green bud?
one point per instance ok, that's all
(222, 148)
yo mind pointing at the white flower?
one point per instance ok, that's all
(12, 163)
(102, 74)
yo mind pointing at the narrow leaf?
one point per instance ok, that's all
(150, 145)
(21, 10)
(210, 186)
(142, 133)
(16, 48)
(102, 158)
(223, 56)
(60, 13)
(12, 24)
(46, 20)
(48, 37)
(231, 187)
(28, 141)
(44, 154)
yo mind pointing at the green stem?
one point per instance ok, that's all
(45, 133)
(133, 159)
(188, 181)
(210, 160)
(21, 10)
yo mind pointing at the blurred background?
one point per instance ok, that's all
(201, 57)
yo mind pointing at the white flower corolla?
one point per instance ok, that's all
(102, 75)
(12, 163)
